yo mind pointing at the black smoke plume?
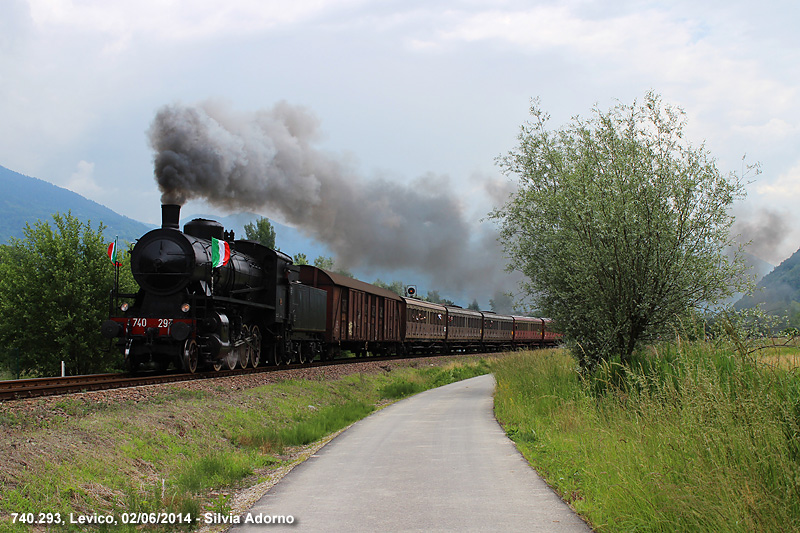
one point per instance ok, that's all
(763, 231)
(267, 161)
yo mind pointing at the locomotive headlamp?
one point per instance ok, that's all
(124, 307)
(185, 308)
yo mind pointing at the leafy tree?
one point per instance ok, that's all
(262, 232)
(619, 225)
(397, 287)
(54, 294)
(327, 263)
(300, 259)
(474, 305)
(502, 303)
(435, 297)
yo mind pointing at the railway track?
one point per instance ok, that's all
(38, 387)
(31, 388)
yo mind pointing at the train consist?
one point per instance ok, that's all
(260, 308)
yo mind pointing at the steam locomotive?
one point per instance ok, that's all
(261, 308)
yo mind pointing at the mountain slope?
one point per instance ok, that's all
(778, 291)
(26, 200)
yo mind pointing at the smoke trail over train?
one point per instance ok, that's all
(268, 161)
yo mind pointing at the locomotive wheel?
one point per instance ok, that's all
(302, 353)
(244, 350)
(217, 366)
(191, 354)
(230, 361)
(315, 351)
(285, 353)
(310, 352)
(255, 346)
(271, 355)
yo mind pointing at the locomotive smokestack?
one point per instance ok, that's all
(170, 216)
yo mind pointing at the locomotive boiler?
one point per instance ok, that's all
(190, 314)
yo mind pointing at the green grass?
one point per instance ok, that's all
(215, 470)
(183, 451)
(268, 439)
(403, 386)
(688, 440)
(400, 389)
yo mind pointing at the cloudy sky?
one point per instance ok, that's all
(416, 93)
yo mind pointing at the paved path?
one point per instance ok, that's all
(437, 461)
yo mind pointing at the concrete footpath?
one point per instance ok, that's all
(437, 461)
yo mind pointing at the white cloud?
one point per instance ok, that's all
(548, 27)
(785, 188)
(775, 129)
(174, 20)
(675, 48)
(82, 180)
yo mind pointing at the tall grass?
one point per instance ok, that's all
(270, 439)
(689, 439)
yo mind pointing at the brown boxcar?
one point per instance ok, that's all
(360, 317)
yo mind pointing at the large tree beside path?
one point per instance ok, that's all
(619, 225)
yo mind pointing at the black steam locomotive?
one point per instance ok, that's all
(192, 315)
(261, 308)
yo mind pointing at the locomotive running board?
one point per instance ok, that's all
(242, 302)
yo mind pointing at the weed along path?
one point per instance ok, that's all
(437, 461)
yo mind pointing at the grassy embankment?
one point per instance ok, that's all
(693, 439)
(183, 451)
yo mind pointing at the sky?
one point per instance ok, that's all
(419, 96)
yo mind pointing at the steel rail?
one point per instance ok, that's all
(39, 387)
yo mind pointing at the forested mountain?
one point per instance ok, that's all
(26, 200)
(778, 291)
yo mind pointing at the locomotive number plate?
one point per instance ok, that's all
(140, 325)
